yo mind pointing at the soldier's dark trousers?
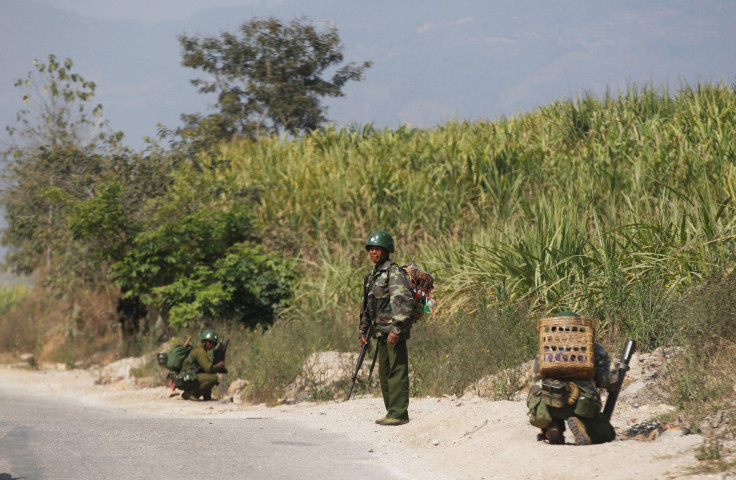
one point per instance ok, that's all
(598, 428)
(204, 385)
(393, 364)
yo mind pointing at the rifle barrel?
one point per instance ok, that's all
(361, 357)
(623, 367)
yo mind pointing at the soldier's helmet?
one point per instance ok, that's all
(210, 335)
(567, 313)
(381, 239)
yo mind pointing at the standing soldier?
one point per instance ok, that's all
(198, 374)
(387, 305)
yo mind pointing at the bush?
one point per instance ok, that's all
(448, 356)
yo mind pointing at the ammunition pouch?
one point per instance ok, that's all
(555, 393)
(539, 415)
(587, 405)
(185, 380)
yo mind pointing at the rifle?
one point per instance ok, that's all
(218, 353)
(623, 367)
(361, 356)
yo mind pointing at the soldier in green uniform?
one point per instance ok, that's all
(387, 305)
(577, 403)
(198, 375)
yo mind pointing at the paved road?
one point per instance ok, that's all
(57, 438)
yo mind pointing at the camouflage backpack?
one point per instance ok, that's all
(176, 357)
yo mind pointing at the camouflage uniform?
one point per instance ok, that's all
(387, 303)
(587, 408)
(201, 374)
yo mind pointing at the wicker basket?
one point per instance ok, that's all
(566, 348)
(422, 283)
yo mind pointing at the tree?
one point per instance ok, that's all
(58, 110)
(59, 159)
(269, 76)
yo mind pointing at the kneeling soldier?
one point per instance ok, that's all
(553, 403)
(198, 374)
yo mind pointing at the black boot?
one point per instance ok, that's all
(555, 432)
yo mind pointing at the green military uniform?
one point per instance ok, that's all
(198, 375)
(388, 304)
(546, 414)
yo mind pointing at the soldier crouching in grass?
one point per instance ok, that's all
(198, 374)
(573, 399)
(387, 305)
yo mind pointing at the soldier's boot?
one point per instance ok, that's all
(578, 430)
(188, 396)
(378, 422)
(394, 421)
(207, 396)
(555, 432)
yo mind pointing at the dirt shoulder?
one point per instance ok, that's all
(447, 438)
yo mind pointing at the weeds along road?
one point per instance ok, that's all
(60, 438)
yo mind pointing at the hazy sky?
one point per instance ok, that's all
(434, 60)
(148, 12)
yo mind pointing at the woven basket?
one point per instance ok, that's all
(566, 348)
(422, 283)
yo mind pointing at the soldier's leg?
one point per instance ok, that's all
(398, 381)
(191, 392)
(599, 429)
(550, 420)
(384, 366)
(206, 382)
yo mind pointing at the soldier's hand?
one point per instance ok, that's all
(392, 339)
(363, 341)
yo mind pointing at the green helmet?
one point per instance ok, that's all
(382, 239)
(209, 335)
(568, 313)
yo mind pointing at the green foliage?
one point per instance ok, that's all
(269, 360)
(12, 295)
(269, 76)
(205, 265)
(447, 357)
(710, 450)
(511, 205)
(703, 327)
(39, 188)
(247, 286)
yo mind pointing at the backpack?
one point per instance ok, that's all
(421, 284)
(176, 357)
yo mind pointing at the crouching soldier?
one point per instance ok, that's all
(198, 374)
(555, 403)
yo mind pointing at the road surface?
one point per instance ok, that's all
(60, 438)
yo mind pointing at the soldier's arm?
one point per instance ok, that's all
(204, 361)
(606, 373)
(364, 322)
